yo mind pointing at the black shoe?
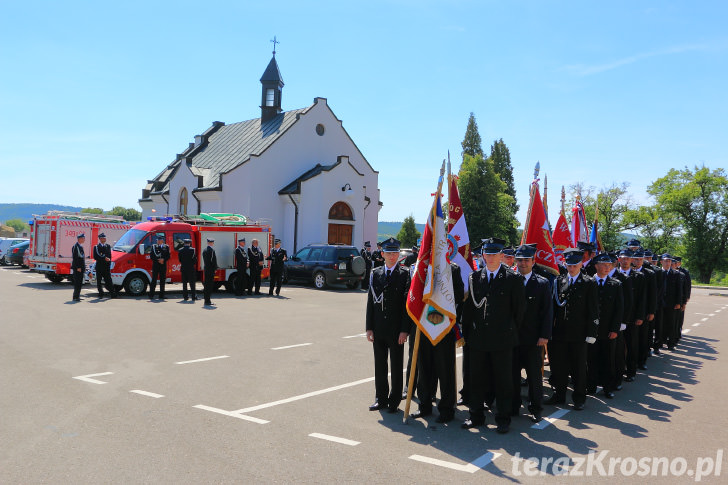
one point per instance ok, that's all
(377, 406)
(555, 400)
(270, 293)
(151, 297)
(536, 418)
(404, 394)
(257, 292)
(161, 297)
(629, 379)
(444, 419)
(392, 409)
(618, 387)
(516, 412)
(208, 303)
(609, 394)
(642, 367)
(656, 352)
(194, 298)
(278, 293)
(590, 391)
(579, 407)
(421, 414)
(101, 295)
(470, 424)
(502, 428)
(250, 293)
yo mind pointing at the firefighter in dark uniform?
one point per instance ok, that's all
(377, 258)
(509, 257)
(387, 325)
(242, 267)
(587, 266)
(210, 261)
(255, 258)
(102, 255)
(671, 302)
(650, 296)
(534, 333)
(436, 363)
(159, 256)
(600, 356)
(367, 255)
(493, 309)
(276, 257)
(622, 273)
(687, 289)
(656, 330)
(188, 270)
(411, 258)
(576, 318)
(78, 266)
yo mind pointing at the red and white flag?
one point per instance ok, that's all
(579, 229)
(538, 233)
(458, 241)
(562, 238)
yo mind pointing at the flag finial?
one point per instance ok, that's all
(536, 170)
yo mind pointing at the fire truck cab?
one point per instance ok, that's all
(131, 265)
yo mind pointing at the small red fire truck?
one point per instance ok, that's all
(131, 266)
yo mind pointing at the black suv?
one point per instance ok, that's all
(326, 264)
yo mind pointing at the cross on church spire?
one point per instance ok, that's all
(274, 41)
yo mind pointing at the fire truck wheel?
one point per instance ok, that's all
(54, 278)
(319, 280)
(231, 283)
(135, 284)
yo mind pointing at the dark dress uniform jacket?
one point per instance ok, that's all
(210, 259)
(578, 318)
(102, 251)
(673, 289)
(276, 259)
(187, 259)
(687, 284)
(159, 254)
(639, 295)
(505, 303)
(650, 290)
(539, 315)
(78, 258)
(388, 318)
(611, 307)
(241, 259)
(627, 297)
(255, 255)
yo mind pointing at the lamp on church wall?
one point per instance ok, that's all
(347, 190)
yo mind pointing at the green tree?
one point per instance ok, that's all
(658, 230)
(92, 210)
(699, 199)
(129, 214)
(18, 224)
(408, 233)
(472, 143)
(614, 201)
(501, 156)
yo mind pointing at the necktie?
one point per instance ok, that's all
(389, 273)
(601, 283)
(490, 278)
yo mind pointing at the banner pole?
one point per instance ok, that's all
(413, 369)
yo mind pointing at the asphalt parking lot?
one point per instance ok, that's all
(276, 389)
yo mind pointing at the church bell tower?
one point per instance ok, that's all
(272, 86)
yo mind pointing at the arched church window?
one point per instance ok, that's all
(341, 211)
(183, 201)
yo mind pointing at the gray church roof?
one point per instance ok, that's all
(222, 148)
(272, 73)
(295, 186)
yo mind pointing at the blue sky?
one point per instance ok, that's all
(97, 97)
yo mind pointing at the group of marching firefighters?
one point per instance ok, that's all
(598, 322)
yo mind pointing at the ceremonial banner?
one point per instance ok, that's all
(562, 238)
(538, 233)
(457, 234)
(579, 231)
(594, 238)
(431, 300)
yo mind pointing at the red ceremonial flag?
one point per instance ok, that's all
(538, 233)
(562, 238)
(458, 240)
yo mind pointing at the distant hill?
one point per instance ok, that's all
(386, 230)
(25, 211)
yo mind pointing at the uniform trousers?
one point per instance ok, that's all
(383, 349)
(529, 357)
(209, 284)
(242, 283)
(620, 358)
(490, 373)
(276, 279)
(568, 358)
(254, 281)
(159, 271)
(669, 326)
(659, 332)
(631, 340)
(643, 342)
(188, 277)
(437, 363)
(680, 320)
(465, 391)
(600, 364)
(104, 275)
(77, 283)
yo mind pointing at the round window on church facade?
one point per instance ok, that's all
(320, 129)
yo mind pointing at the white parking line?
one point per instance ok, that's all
(357, 335)
(145, 393)
(93, 381)
(304, 396)
(550, 419)
(718, 310)
(687, 330)
(290, 346)
(234, 414)
(202, 360)
(696, 324)
(335, 439)
(472, 467)
(704, 319)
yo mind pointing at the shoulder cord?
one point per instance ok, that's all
(376, 299)
(556, 294)
(483, 303)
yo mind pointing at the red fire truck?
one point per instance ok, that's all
(54, 234)
(131, 266)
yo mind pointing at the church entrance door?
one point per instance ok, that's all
(340, 233)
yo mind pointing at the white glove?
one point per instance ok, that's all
(623, 327)
(590, 340)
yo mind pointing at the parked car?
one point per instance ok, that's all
(326, 264)
(6, 244)
(15, 253)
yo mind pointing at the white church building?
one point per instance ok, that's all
(297, 170)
